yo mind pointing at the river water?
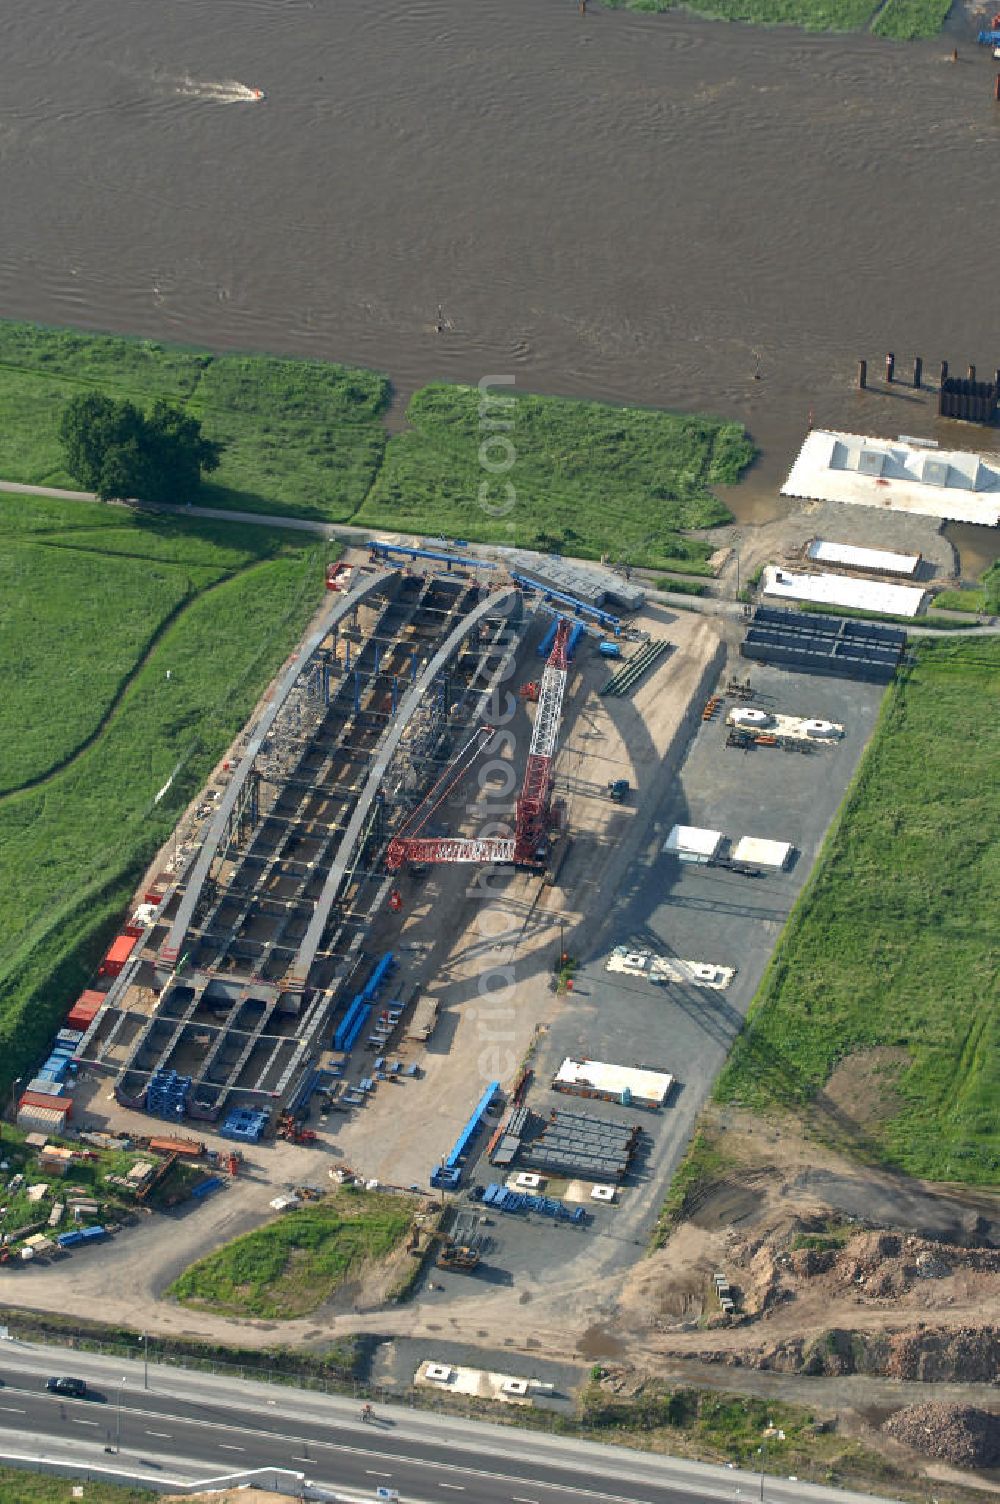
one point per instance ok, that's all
(651, 209)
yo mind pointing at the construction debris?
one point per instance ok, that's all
(955, 1433)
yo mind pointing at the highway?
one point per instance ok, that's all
(189, 1427)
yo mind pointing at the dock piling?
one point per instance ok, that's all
(862, 375)
(890, 367)
(918, 371)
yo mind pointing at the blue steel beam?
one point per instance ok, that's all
(606, 618)
(383, 550)
(472, 1127)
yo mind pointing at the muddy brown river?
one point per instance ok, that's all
(651, 209)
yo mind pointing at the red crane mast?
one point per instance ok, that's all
(531, 822)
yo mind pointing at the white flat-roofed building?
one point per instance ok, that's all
(754, 851)
(841, 590)
(897, 475)
(873, 560)
(693, 843)
(614, 1083)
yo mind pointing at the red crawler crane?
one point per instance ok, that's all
(533, 816)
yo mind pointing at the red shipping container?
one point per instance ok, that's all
(152, 897)
(82, 1013)
(80, 1018)
(63, 1105)
(119, 953)
(90, 999)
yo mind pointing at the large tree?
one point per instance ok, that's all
(114, 449)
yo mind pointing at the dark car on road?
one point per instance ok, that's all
(74, 1389)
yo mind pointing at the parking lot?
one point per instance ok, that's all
(698, 913)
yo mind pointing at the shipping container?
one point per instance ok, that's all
(84, 1010)
(45, 1099)
(40, 1119)
(46, 1088)
(81, 1021)
(90, 999)
(188, 1148)
(119, 953)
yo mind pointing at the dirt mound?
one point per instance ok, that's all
(955, 1433)
(966, 1355)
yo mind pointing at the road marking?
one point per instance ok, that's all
(158, 1433)
(518, 1500)
(77, 1422)
(13, 1410)
(373, 1474)
(303, 1459)
(225, 1447)
(458, 1487)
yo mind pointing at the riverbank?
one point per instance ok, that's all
(903, 20)
(307, 439)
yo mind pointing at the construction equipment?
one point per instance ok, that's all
(291, 1129)
(529, 846)
(457, 1256)
(619, 790)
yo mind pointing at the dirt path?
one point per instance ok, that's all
(127, 684)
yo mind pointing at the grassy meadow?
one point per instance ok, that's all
(302, 437)
(306, 439)
(294, 1264)
(909, 20)
(586, 478)
(99, 726)
(19, 1487)
(893, 942)
(904, 20)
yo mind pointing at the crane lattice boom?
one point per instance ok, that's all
(533, 804)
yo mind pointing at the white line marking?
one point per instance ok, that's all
(225, 1447)
(458, 1487)
(12, 1409)
(303, 1459)
(158, 1433)
(77, 1422)
(518, 1500)
(373, 1474)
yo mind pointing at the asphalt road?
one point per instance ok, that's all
(188, 1427)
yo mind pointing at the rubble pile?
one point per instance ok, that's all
(953, 1433)
(930, 1355)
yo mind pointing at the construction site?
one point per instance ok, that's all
(468, 910)
(475, 908)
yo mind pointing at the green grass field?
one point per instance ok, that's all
(893, 941)
(17, 1487)
(302, 437)
(306, 439)
(904, 20)
(972, 601)
(814, 15)
(294, 1264)
(585, 478)
(985, 598)
(908, 20)
(106, 602)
